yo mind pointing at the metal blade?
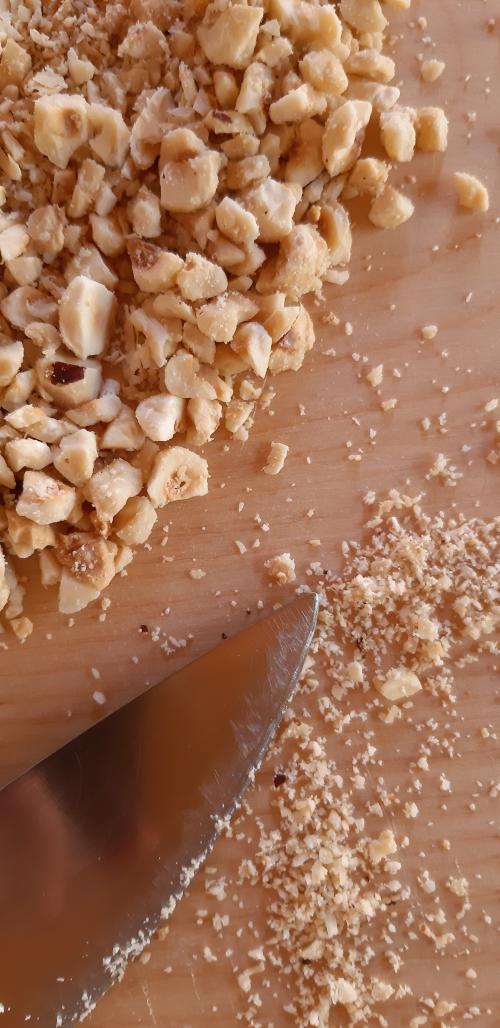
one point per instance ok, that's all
(103, 834)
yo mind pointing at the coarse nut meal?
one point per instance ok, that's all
(174, 180)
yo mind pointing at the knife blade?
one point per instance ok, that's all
(99, 840)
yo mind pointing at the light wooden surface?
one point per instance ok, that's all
(399, 282)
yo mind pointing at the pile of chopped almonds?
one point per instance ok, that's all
(173, 179)
(423, 592)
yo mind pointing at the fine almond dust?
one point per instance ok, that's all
(415, 601)
(166, 204)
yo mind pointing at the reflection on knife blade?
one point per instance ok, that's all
(122, 817)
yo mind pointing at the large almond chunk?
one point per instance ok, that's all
(253, 344)
(177, 475)
(123, 433)
(45, 500)
(160, 416)
(273, 205)
(61, 125)
(11, 358)
(201, 279)
(228, 37)
(15, 64)
(189, 172)
(109, 489)
(112, 135)
(364, 15)
(343, 135)
(76, 455)
(74, 594)
(87, 557)
(86, 316)
(134, 524)
(154, 269)
(204, 416)
(27, 453)
(24, 537)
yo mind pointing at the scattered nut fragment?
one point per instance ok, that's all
(390, 209)
(429, 332)
(472, 193)
(369, 175)
(399, 684)
(432, 69)
(281, 569)
(382, 847)
(276, 458)
(293, 342)
(375, 377)
(432, 130)
(397, 130)
(22, 627)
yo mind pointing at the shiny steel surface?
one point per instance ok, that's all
(96, 839)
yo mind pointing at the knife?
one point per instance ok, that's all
(99, 840)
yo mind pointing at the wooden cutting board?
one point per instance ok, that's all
(441, 268)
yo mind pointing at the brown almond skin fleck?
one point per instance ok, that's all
(65, 374)
(143, 255)
(72, 122)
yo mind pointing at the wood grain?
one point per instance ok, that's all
(399, 281)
